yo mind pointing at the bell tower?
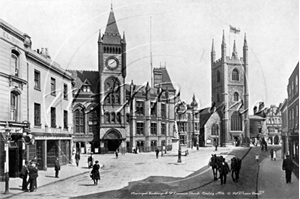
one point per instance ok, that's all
(112, 73)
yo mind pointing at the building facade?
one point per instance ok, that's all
(273, 122)
(293, 117)
(13, 95)
(230, 93)
(35, 101)
(49, 109)
(284, 128)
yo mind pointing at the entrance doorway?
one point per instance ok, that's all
(112, 141)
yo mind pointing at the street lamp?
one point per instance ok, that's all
(7, 139)
(180, 109)
(193, 104)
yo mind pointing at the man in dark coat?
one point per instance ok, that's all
(24, 174)
(95, 174)
(288, 166)
(57, 167)
(33, 174)
(77, 158)
(224, 169)
(157, 152)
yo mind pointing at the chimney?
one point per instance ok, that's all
(42, 51)
(38, 51)
(46, 51)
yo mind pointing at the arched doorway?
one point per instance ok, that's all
(112, 140)
(276, 139)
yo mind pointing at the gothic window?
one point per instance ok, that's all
(113, 117)
(236, 121)
(218, 76)
(112, 91)
(107, 117)
(79, 120)
(235, 75)
(93, 118)
(214, 129)
(163, 129)
(14, 63)
(119, 119)
(235, 97)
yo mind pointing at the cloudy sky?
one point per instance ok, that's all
(182, 33)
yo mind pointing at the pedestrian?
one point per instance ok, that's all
(95, 174)
(216, 144)
(271, 153)
(288, 166)
(157, 152)
(56, 167)
(33, 174)
(24, 174)
(274, 155)
(77, 158)
(90, 161)
(224, 170)
(117, 153)
(257, 157)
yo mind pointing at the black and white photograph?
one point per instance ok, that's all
(149, 99)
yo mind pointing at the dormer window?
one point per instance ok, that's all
(86, 89)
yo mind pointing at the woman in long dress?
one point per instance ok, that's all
(95, 174)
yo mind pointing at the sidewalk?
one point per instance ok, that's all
(48, 177)
(271, 180)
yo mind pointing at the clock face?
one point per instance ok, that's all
(112, 63)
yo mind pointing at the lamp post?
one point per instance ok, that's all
(7, 138)
(193, 104)
(180, 109)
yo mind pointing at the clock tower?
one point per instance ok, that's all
(112, 73)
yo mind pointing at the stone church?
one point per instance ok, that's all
(230, 93)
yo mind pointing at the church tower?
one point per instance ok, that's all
(230, 93)
(112, 73)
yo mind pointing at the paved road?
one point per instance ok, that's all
(272, 180)
(115, 174)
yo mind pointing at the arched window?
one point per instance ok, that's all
(236, 121)
(235, 97)
(218, 76)
(14, 105)
(119, 120)
(14, 63)
(235, 75)
(113, 117)
(107, 117)
(79, 120)
(215, 129)
(112, 91)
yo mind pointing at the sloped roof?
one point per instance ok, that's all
(111, 34)
(166, 80)
(204, 116)
(91, 77)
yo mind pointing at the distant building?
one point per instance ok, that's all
(284, 127)
(273, 122)
(293, 116)
(230, 93)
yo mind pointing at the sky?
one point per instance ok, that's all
(181, 38)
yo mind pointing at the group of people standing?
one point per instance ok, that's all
(29, 174)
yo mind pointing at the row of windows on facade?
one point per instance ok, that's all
(234, 75)
(273, 121)
(182, 126)
(140, 128)
(294, 117)
(37, 117)
(37, 77)
(79, 121)
(113, 50)
(293, 87)
(153, 144)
